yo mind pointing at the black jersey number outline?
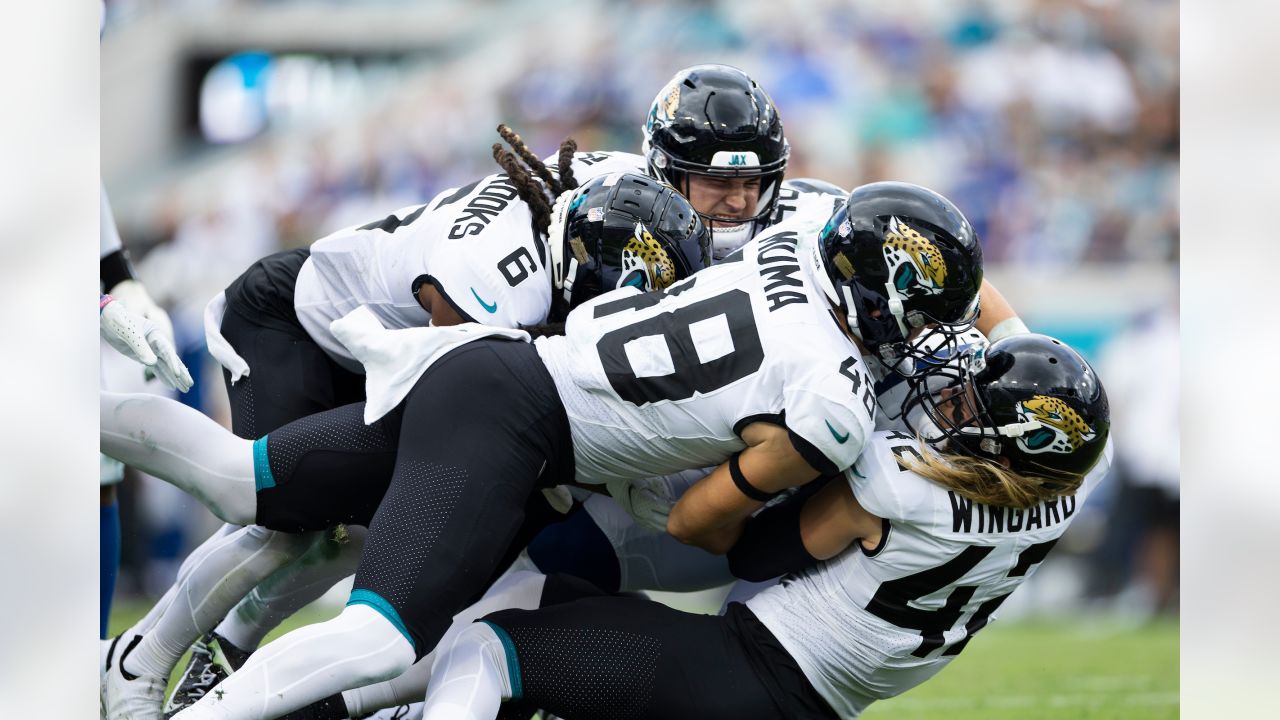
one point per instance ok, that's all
(690, 375)
(590, 159)
(892, 599)
(849, 369)
(391, 223)
(520, 273)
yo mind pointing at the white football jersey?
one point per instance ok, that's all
(655, 383)
(793, 200)
(587, 165)
(894, 616)
(476, 244)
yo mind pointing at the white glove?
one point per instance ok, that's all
(649, 501)
(136, 298)
(134, 336)
(558, 498)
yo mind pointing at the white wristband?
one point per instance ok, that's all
(1007, 328)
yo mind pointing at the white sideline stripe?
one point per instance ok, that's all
(1109, 683)
(1056, 700)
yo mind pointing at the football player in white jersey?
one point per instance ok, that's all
(291, 298)
(467, 255)
(613, 550)
(732, 178)
(136, 327)
(514, 288)
(706, 372)
(911, 552)
(139, 329)
(602, 540)
(684, 144)
(713, 134)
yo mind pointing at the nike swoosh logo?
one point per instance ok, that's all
(487, 307)
(836, 435)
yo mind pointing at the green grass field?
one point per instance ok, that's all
(1084, 669)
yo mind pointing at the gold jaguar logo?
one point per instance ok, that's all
(644, 254)
(915, 263)
(671, 102)
(1061, 429)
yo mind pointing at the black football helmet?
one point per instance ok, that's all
(619, 230)
(1027, 398)
(715, 120)
(897, 257)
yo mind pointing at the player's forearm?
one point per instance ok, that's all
(995, 309)
(709, 518)
(720, 540)
(772, 543)
(711, 514)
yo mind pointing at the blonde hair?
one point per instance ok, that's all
(985, 481)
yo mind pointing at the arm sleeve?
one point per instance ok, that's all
(771, 544)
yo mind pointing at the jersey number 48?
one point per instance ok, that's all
(698, 348)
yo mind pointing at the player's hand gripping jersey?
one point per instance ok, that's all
(476, 244)
(897, 614)
(661, 382)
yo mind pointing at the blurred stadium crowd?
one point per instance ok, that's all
(1052, 123)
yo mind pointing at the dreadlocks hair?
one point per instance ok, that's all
(522, 165)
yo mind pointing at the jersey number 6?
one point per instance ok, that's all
(708, 344)
(517, 266)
